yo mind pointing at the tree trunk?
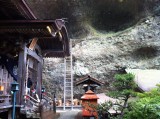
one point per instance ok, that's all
(124, 106)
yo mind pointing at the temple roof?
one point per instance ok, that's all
(88, 80)
(56, 45)
(17, 20)
(15, 9)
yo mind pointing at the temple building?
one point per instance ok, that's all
(25, 40)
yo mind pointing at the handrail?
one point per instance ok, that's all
(47, 97)
(48, 102)
(35, 104)
(38, 101)
(4, 97)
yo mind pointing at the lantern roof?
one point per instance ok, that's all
(89, 95)
(88, 80)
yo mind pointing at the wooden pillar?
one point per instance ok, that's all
(21, 74)
(39, 79)
(21, 54)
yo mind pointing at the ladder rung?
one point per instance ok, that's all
(68, 59)
(68, 86)
(68, 90)
(68, 71)
(68, 98)
(68, 95)
(68, 79)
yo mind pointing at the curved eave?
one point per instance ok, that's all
(60, 26)
(51, 45)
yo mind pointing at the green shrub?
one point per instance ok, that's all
(146, 107)
(124, 88)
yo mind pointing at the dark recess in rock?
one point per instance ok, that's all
(113, 15)
(145, 52)
(103, 15)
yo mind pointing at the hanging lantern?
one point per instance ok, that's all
(1, 88)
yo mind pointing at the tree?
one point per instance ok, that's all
(146, 107)
(124, 88)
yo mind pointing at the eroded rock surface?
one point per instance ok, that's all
(105, 40)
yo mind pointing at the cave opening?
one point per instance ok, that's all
(115, 15)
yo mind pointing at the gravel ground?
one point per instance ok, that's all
(68, 114)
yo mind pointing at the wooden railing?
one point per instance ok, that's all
(47, 102)
(5, 100)
(32, 100)
(5, 87)
(32, 105)
(5, 81)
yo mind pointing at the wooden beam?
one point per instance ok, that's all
(52, 51)
(28, 22)
(24, 9)
(34, 55)
(33, 43)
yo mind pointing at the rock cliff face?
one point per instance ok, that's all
(102, 15)
(107, 36)
(102, 56)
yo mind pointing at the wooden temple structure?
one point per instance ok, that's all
(89, 83)
(24, 41)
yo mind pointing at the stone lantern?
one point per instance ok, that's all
(89, 103)
(14, 88)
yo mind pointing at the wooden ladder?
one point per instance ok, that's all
(68, 82)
